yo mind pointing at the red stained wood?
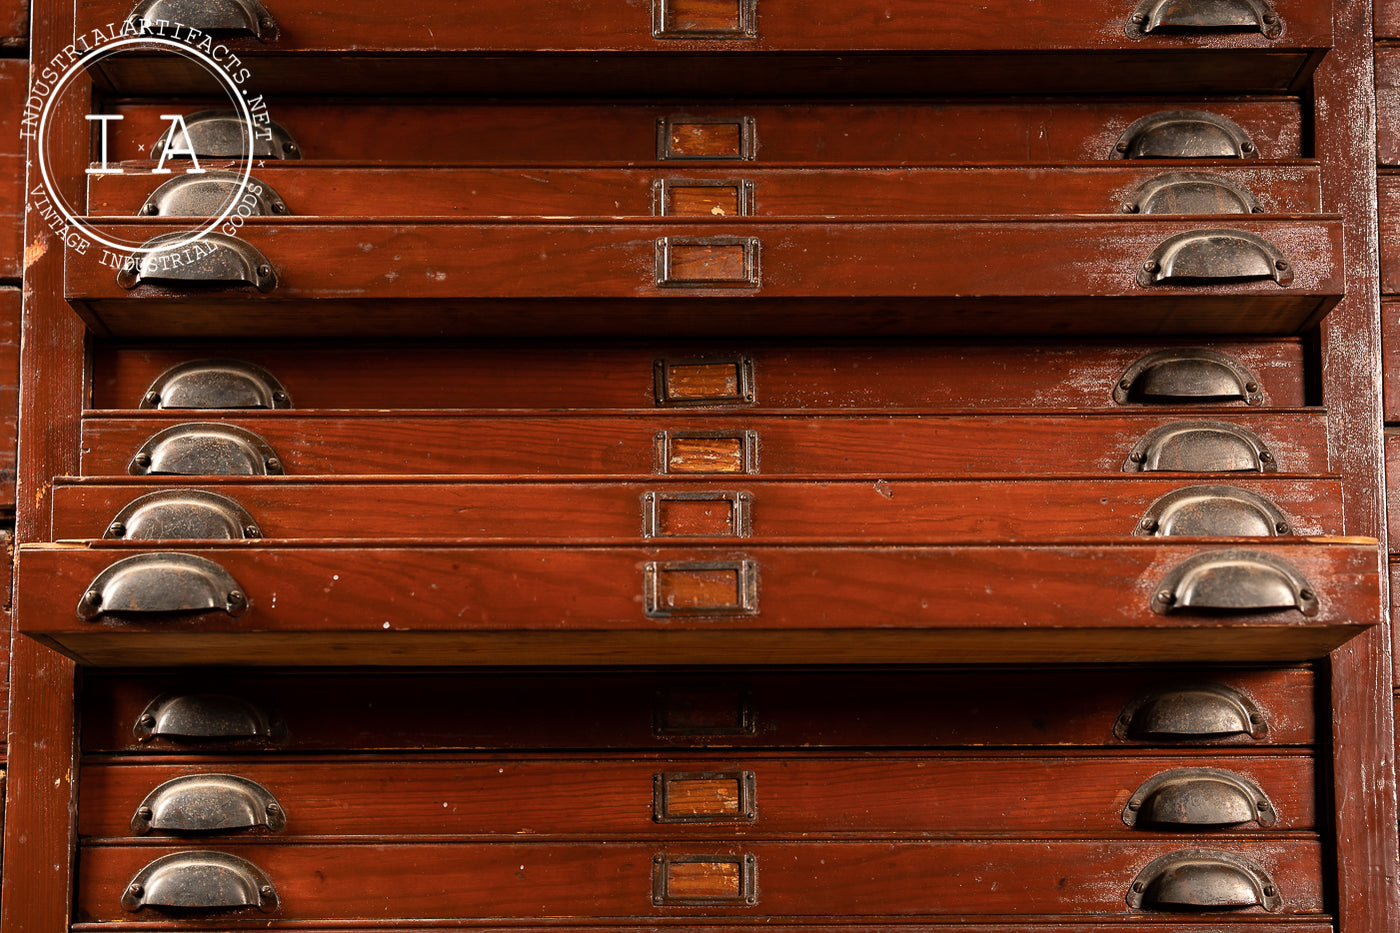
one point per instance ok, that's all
(986, 876)
(345, 191)
(608, 25)
(680, 707)
(402, 605)
(1390, 357)
(859, 133)
(9, 394)
(905, 796)
(14, 85)
(910, 374)
(1388, 196)
(869, 445)
(882, 511)
(1387, 104)
(1064, 273)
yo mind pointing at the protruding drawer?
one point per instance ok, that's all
(754, 508)
(731, 447)
(1254, 276)
(783, 879)
(445, 605)
(706, 796)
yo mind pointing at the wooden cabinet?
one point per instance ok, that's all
(709, 464)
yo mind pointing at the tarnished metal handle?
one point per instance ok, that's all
(208, 803)
(213, 259)
(1191, 711)
(166, 582)
(1158, 16)
(1184, 134)
(1234, 581)
(1200, 447)
(192, 514)
(1187, 374)
(1220, 511)
(1190, 193)
(1198, 797)
(1209, 256)
(1196, 879)
(224, 134)
(205, 449)
(213, 17)
(210, 193)
(199, 716)
(216, 383)
(207, 880)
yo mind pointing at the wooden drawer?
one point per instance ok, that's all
(691, 443)
(431, 130)
(460, 605)
(308, 710)
(745, 190)
(1390, 358)
(1387, 105)
(698, 797)
(9, 395)
(1082, 276)
(741, 375)
(1058, 925)
(830, 511)
(651, 881)
(1388, 193)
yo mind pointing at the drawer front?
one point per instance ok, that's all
(728, 446)
(9, 393)
(758, 879)
(456, 605)
(747, 376)
(758, 25)
(700, 797)
(14, 80)
(312, 711)
(740, 131)
(830, 511)
(742, 190)
(1387, 105)
(1388, 195)
(1390, 356)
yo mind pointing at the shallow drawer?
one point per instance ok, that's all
(1058, 925)
(698, 796)
(1390, 358)
(1137, 275)
(210, 711)
(697, 374)
(1245, 599)
(759, 879)
(1388, 194)
(1392, 483)
(689, 443)
(435, 131)
(744, 190)
(9, 394)
(830, 511)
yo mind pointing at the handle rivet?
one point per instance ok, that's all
(1137, 456)
(117, 530)
(1137, 887)
(273, 808)
(92, 598)
(273, 463)
(266, 890)
(1263, 805)
(1134, 804)
(1149, 524)
(1246, 146)
(1271, 18)
(142, 460)
(135, 890)
(1306, 594)
(153, 398)
(1125, 384)
(252, 531)
(1139, 17)
(1270, 890)
(1281, 264)
(1251, 387)
(1167, 597)
(1281, 527)
(1266, 457)
(145, 813)
(1122, 146)
(1129, 207)
(1150, 266)
(235, 598)
(147, 720)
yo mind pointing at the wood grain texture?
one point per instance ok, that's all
(1011, 374)
(436, 131)
(986, 876)
(814, 605)
(882, 511)
(9, 394)
(845, 707)
(334, 190)
(14, 84)
(907, 796)
(787, 444)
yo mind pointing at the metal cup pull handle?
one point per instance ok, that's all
(1205, 257)
(200, 880)
(1186, 375)
(1234, 581)
(1202, 879)
(208, 803)
(1201, 797)
(213, 259)
(159, 584)
(1190, 16)
(220, 18)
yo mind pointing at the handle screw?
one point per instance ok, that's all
(1166, 597)
(116, 530)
